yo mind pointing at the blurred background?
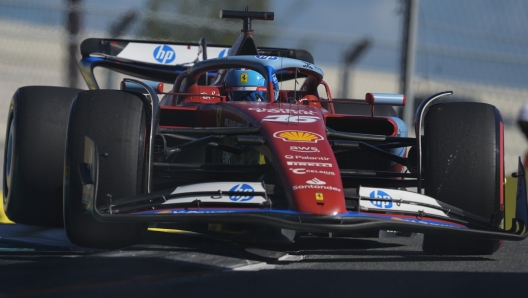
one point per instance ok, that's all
(477, 48)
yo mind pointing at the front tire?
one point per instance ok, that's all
(116, 121)
(464, 167)
(34, 154)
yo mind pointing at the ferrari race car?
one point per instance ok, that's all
(250, 144)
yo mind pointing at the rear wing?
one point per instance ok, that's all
(157, 60)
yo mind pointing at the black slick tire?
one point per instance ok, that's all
(34, 154)
(464, 167)
(116, 121)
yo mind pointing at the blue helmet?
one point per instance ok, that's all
(248, 85)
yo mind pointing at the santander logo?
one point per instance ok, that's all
(315, 181)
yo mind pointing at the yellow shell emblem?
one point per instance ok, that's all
(298, 136)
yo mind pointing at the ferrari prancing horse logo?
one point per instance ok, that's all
(244, 78)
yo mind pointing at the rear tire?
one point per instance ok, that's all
(463, 164)
(116, 121)
(34, 154)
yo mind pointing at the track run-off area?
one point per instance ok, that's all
(42, 262)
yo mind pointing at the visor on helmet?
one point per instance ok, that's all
(248, 94)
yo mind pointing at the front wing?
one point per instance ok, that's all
(156, 208)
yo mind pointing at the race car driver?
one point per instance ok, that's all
(248, 85)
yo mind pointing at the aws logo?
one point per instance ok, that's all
(303, 149)
(164, 54)
(378, 194)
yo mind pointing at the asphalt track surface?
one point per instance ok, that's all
(40, 262)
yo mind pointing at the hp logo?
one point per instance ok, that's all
(266, 57)
(378, 194)
(164, 54)
(224, 53)
(242, 188)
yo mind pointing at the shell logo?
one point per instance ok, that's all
(298, 136)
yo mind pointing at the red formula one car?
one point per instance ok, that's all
(250, 144)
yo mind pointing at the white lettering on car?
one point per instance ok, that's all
(323, 187)
(289, 118)
(304, 149)
(283, 111)
(302, 171)
(323, 158)
(309, 164)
